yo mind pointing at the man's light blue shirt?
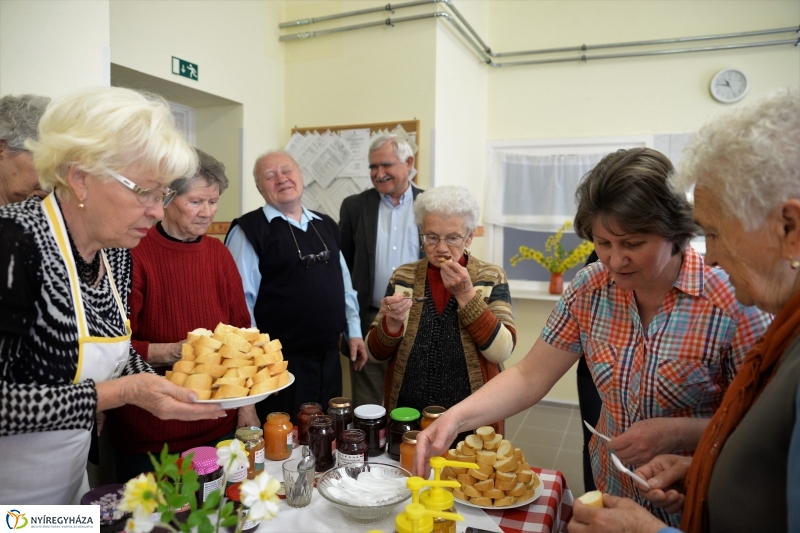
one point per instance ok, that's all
(247, 262)
(397, 242)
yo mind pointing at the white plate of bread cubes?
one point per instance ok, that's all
(231, 366)
(503, 481)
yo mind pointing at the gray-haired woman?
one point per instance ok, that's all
(446, 322)
(182, 280)
(19, 116)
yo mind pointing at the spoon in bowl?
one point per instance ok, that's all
(622, 468)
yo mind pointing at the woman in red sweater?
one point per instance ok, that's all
(182, 280)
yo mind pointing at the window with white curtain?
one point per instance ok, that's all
(530, 193)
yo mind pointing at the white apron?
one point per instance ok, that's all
(47, 467)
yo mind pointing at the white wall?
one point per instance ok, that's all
(53, 47)
(235, 45)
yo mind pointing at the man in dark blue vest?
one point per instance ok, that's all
(297, 285)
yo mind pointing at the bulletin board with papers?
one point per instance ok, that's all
(334, 160)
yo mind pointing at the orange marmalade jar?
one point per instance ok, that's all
(278, 437)
(429, 414)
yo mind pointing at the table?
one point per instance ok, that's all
(553, 507)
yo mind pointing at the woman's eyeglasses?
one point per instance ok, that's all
(450, 240)
(147, 197)
(310, 259)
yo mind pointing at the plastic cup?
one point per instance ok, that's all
(297, 485)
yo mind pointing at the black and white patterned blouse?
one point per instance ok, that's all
(38, 328)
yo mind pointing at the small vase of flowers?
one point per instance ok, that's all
(554, 258)
(153, 498)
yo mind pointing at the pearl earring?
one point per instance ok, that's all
(795, 264)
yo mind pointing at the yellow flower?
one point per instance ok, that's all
(556, 261)
(141, 491)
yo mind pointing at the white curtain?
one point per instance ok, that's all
(534, 192)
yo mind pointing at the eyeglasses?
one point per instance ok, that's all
(310, 259)
(450, 240)
(147, 197)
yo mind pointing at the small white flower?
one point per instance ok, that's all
(232, 457)
(141, 522)
(260, 496)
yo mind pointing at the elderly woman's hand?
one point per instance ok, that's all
(157, 395)
(665, 475)
(394, 308)
(456, 280)
(164, 354)
(619, 515)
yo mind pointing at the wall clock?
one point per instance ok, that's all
(729, 85)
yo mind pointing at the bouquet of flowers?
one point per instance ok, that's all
(173, 486)
(556, 261)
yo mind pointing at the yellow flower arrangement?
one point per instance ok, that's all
(556, 262)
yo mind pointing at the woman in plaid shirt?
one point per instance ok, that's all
(662, 331)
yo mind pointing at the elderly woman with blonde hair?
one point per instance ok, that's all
(745, 474)
(446, 323)
(65, 354)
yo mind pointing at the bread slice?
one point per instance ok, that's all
(525, 475)
(482, 501)
(246, 371)
(474, 442)
(202, 394)
(486, 484)
(457, 493)
(283, 379)
(208, 342)
(213, 358)
(277, 368)
(506, 465)
(502, 502)
(505, 485)
(187, 352)
(471, 491)
(592, 498)
(494, 494)
(523, 467)
(505, 449)
(184, 366)
(267, 385)
(486, 433)
(519, 490)
(263, 340)
(230, 391)
(250, 334)
(493, 443)
(198, 382)
(235, 341)
(222, 329)
(486, 458)
(477, 474)
(200, 350)
(273, 346)
(236, 363)
(506, 476)
(466, 479)
(232, 353)
(219, 382)
(178, 378)
(232, 373)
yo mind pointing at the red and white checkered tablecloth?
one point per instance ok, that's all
(549, 513)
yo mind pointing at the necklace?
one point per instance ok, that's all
(88, 272)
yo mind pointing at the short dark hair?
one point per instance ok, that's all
(209, 170)
(630, 188)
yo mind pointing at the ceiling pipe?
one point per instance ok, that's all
(484, 51)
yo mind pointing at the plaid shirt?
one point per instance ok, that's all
(681, 366)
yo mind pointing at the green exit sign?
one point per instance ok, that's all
(184, 68)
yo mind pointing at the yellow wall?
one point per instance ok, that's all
(235, 46)
(51, 47)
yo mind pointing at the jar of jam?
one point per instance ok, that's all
(238, 475)
(401, 420)
(371, 419)
(322, 442)
(234, 494)
(278, 437)
(341, 411)
(407, 449)
(253, 440)
(429, 414)
(307, 410)
(352, 448)
(209, 473)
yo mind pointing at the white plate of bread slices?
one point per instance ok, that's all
(231, 366)
(503, 481)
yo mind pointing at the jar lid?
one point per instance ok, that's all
(277, 416)
(405, 414)
(234, 492)
(370, 411)
(249, 433)
(350, 435)
(311, 405)
(339, 402)
(321, 420)
(205, 459)
(433, 411)
(410, 437)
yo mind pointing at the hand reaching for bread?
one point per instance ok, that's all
(229, 362)
(504, 477)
